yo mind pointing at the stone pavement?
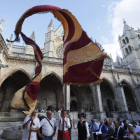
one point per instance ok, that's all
(74, 135)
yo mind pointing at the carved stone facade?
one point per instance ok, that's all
(117, 96)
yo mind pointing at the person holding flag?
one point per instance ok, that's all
(65, 120)
(31, 123)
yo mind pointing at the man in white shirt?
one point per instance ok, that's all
(83, 129)
(136, 129)
(67, 125)
(48, 125)
(34, 128)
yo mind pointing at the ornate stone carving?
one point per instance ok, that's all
(59, 52)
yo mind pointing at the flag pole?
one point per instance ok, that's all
(63, 109)
(30, 130)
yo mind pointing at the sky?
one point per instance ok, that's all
(101, 19)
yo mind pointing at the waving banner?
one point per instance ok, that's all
(82, 58)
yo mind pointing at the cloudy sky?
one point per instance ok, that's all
(101, 19)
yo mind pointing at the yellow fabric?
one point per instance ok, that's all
(31, 103)
(17, 101)
(38, 78)
(84, 54)
(60, 17)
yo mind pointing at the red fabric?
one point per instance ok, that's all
(80, 74)
(33, 90)
(66, 135)
(38, 69)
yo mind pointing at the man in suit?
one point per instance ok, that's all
(119, 132)
(102, 130)
(110, 132)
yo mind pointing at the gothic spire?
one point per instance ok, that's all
(33, 36)
(9, 44)
(126, 27)
(50, 26)
(1, 24)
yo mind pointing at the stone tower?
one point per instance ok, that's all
(130, 46)
(1, 24)
(49, 40)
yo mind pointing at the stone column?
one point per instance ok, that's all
(97, 101)
(137, 99)
(122, 104)
(67, 97)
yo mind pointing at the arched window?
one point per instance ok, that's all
(127, 39)
(126, 51)
(124, 42)
(130, 49)
(138, 36)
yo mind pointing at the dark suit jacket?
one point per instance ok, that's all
(110, 131)
(120, 133)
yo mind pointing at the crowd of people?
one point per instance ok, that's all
(114, 130)
(44, 128)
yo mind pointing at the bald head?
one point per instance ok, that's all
(39, 116)
(49, 114)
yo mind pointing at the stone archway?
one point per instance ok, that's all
(129, 95)
(50, 93)
(83, 95)
(108, 97)
(73, 105)
(11, 85)
(109, 104)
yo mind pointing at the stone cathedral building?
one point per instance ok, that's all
(117, 96)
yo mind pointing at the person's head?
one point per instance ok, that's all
(119, 123)
(127, 123)
(118, 119)
(105, 120)
(134, 124)
(109, 124)
(101, 122)
(81, 117)
(49, 114)
(60, 109)
(110, 121)
(68, 112)
(63, 113)
(33, 113)
(93, 121)
(39, 115)
(125, 118)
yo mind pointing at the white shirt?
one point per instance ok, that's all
(42, 110)
(118, 130)
(87, 128)
(137, 129)
(100, 128)
(47, 129)
(60, 124)
(36, 124)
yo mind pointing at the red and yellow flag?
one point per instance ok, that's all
(82, 60)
